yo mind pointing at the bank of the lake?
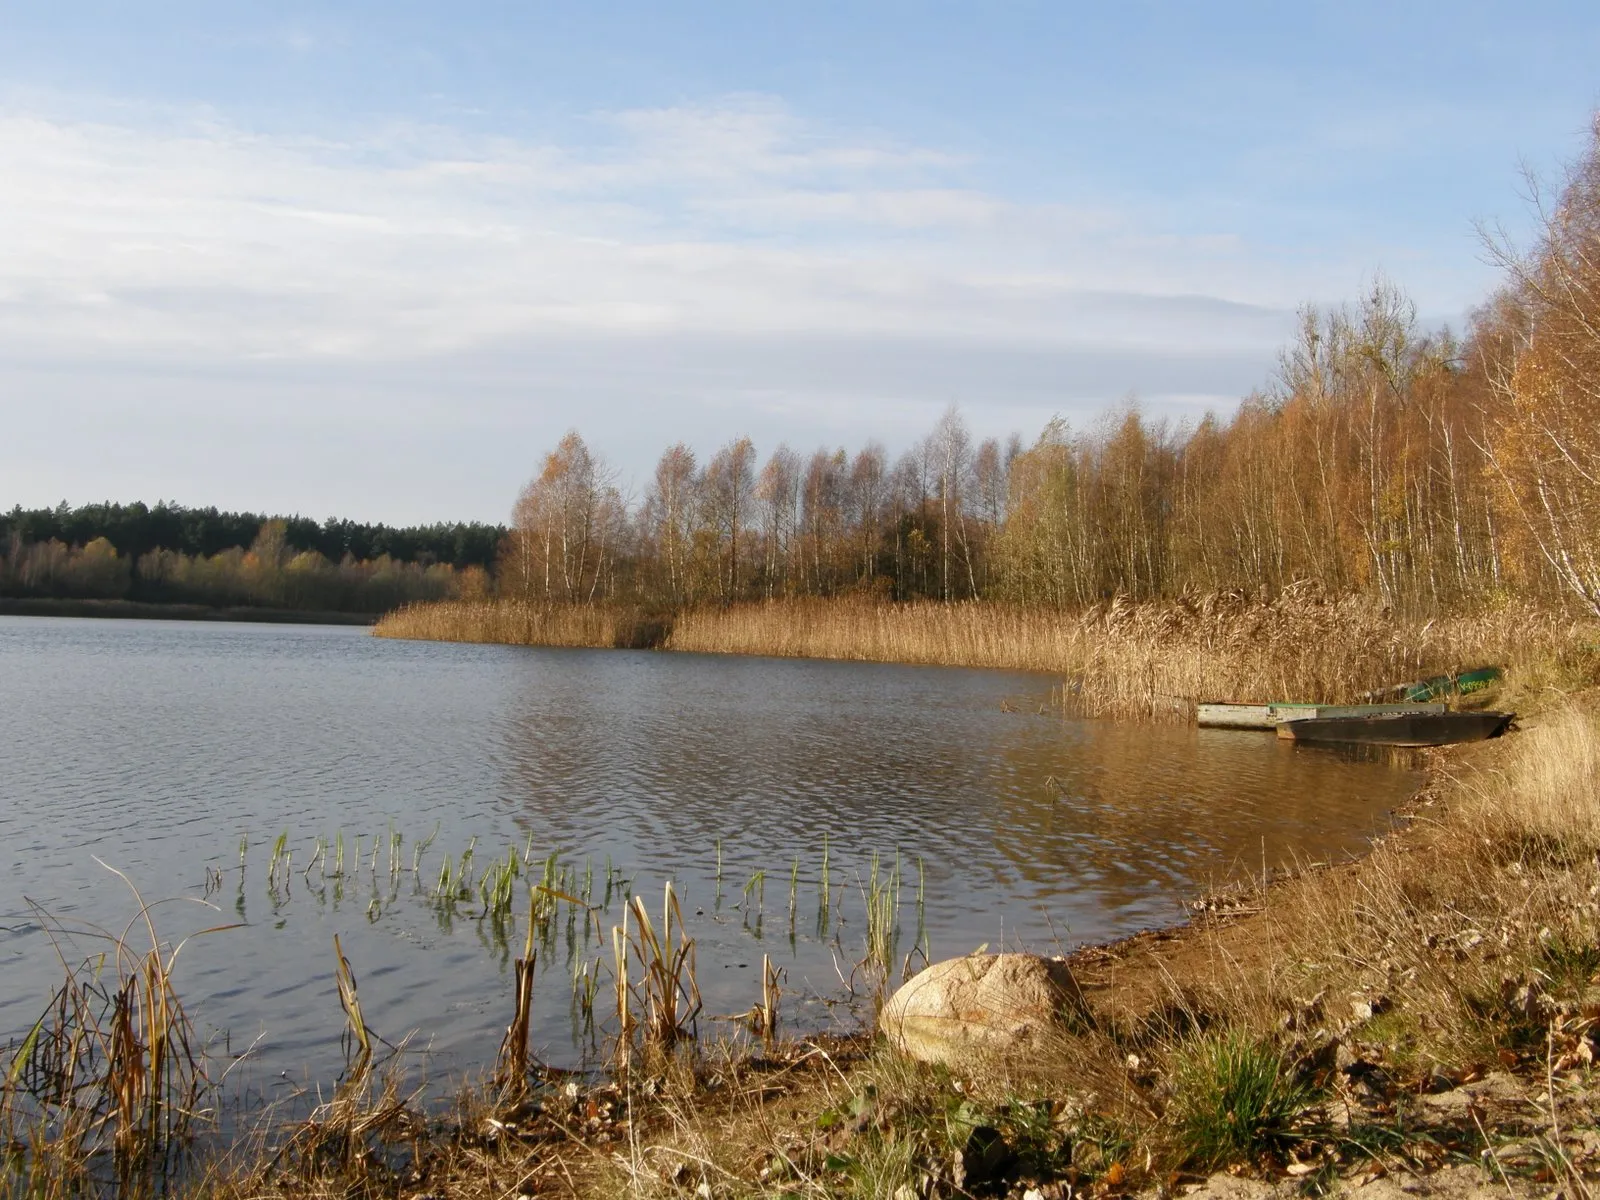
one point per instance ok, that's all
(1453, 960)
(1119, 659)
(1421, 1021)
(136, 610)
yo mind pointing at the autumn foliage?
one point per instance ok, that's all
(1384, 460)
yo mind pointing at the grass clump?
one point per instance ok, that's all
(1236, 1100)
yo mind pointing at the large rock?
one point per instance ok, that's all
(983, 1006)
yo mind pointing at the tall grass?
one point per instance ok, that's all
(110, 1073)
(518, 624)
(1118, 658)
(1477, 931)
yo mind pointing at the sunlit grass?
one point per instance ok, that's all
(1148, 660)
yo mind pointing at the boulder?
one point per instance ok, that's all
(983, 1006)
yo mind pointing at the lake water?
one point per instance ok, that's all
(157, 746)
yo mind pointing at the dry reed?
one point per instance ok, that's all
(109, 1075)
(1472, 936)
(1118, 658)
(517, 624)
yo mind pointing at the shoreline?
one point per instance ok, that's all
(141, 610)
(1149, 661)
(1433, 999)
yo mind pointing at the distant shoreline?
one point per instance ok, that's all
(134, 609)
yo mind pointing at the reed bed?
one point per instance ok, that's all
(517, 624)
(1118, 659)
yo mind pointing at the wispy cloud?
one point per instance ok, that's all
(174, 283)
(195, 237)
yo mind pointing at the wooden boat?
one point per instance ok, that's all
(1272, 716)
(1399, 729)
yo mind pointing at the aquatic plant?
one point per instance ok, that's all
(882, 902)
(764, 1016)
(756, 886)
(511, 1072)
(667, 992)
(110, 1069)
(356, 1040)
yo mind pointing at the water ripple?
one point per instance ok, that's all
(158, 746)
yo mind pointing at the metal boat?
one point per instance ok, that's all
(1399, 729)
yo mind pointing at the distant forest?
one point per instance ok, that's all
(168, 553)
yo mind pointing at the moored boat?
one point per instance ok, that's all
(1399, 729)
(1271, 716)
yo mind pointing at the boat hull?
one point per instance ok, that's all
(1399, 729)
(1273, 716)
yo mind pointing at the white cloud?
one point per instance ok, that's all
(686, 266)
(202, 239)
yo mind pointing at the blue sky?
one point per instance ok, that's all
(373, 259)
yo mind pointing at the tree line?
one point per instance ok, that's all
(171, 554)
(1431, 471)
(136, 529)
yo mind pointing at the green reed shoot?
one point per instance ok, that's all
(758, 885)
(497, 888)
(338, 853)
(883, 906)
(319, 851)
(794, 887)
(585, 988)
(823, 889)
(281, 866)
(420, 849)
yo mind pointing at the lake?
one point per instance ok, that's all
(158, 747)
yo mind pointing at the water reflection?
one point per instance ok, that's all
(158, 746)
(655, 758)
